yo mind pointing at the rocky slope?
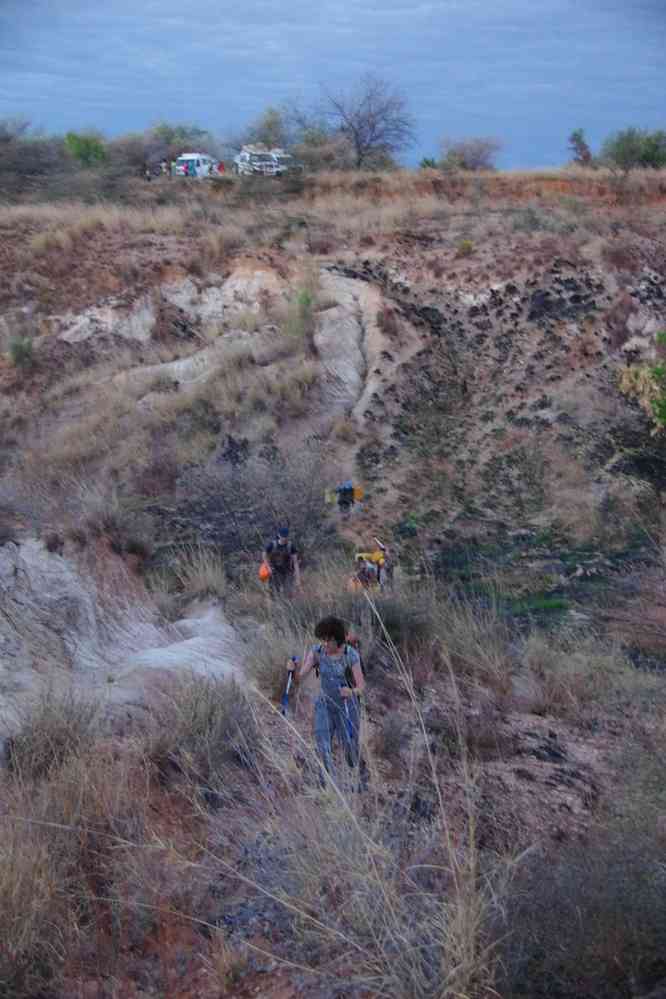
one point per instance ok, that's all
(462, 360)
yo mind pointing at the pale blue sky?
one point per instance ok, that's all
(527, 71)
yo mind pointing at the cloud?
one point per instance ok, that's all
(521, 67)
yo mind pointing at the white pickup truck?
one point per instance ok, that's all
(264, 162)
(253, 161)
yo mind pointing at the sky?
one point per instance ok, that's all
(524, 71)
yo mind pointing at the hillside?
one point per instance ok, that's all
(182, 373)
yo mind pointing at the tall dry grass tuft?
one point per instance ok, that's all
(64, 841)
(203, 729)
(573, 670)
(199, 572)
(372, 905)
(54, 727)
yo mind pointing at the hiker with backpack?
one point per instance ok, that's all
(337, 708)
(281, 562)
(346, 497)
(366, 575)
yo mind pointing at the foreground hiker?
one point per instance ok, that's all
(281, 558)
(337, 709)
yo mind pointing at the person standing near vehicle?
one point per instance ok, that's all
(337, 707)
(281, 557)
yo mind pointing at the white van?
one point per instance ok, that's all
(195, 165)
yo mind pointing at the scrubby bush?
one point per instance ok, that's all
(249, 497)
(387, 320)
(465, 248)
(588, 919)
(634, 147)
(394, 734)
(27, 161)
(50, 730)
(573, 671)
(647, 384)
(203, 727)
(199, 572)
(65, 842)
(300, 321)
(87, 149)
(21, 352)
(470, 154)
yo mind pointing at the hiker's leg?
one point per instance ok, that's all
(351, 732)
(322, 733)
(353, 745)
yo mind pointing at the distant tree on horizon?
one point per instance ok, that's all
(476, 153)
(582, 154)
(86, 147)
(632, 148)
(373, 116)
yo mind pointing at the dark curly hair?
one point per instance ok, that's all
(331, 628)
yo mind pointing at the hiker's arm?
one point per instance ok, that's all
(304, 668)
(359, 682)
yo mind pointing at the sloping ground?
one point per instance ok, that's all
(465, 367)
(88, 622)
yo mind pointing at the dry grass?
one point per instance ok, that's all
(204, 727)
(199, 572)
(63, 840)
(368, 909)
(71, 446)
(49, 731)
(575, 671)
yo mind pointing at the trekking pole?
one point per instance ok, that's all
(284, 704)
(348, 722)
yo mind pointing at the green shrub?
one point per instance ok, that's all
(635, 147)
(89, 150)
(20, 352)
(300, 320)
(658, 373)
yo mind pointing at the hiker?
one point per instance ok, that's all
(337, 708)
(281, 557)
(164, 168)
(345, 494)
(147, 172)
(366, 575)
(373, 568)
(385, 563)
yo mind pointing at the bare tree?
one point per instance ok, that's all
(373, 116)
(13, 128)
(470, 154)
